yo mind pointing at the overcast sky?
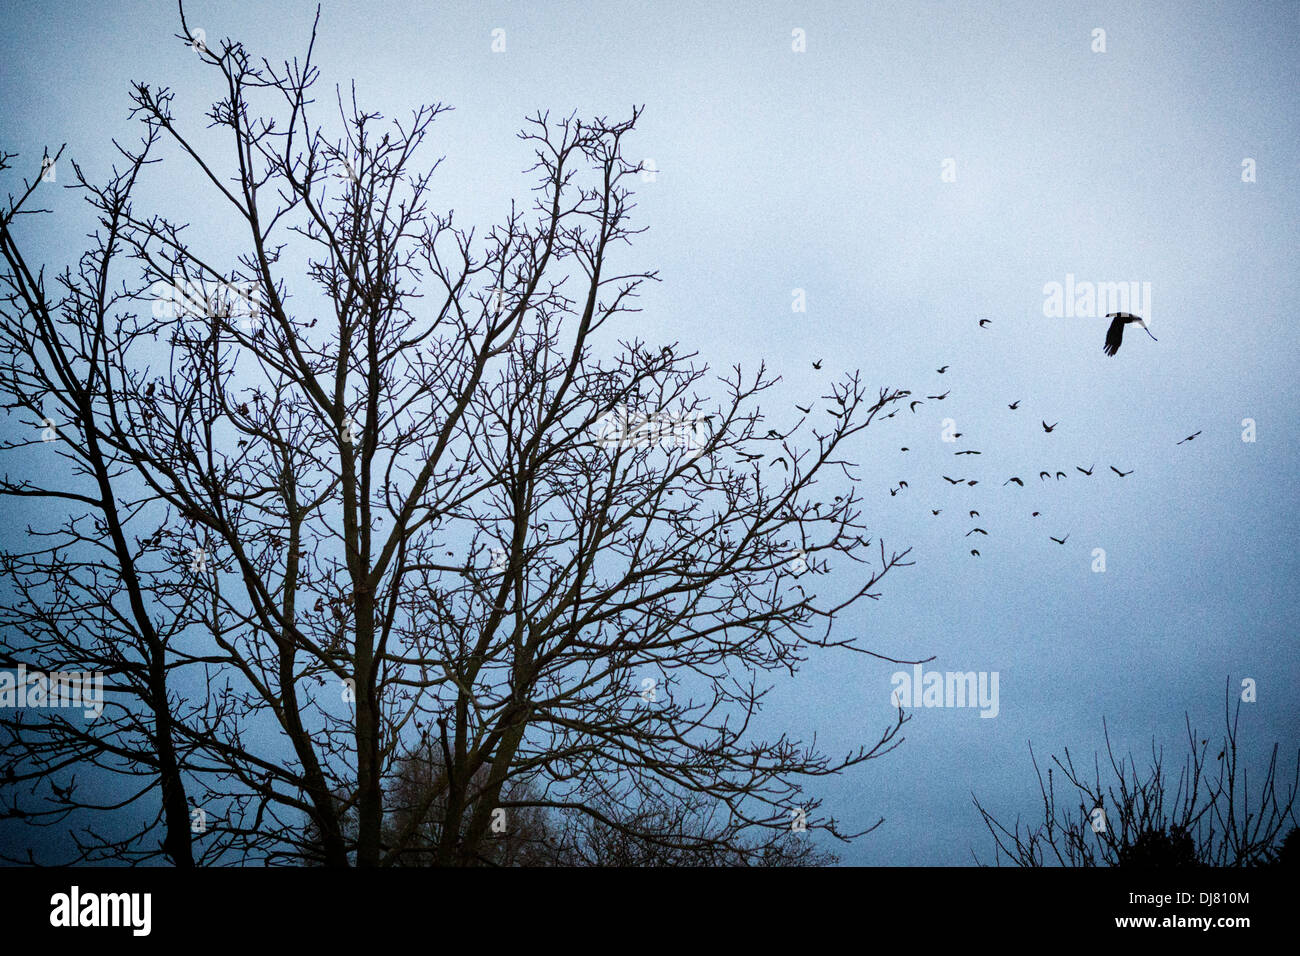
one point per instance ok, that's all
(824, 171)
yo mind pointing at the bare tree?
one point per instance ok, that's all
(1207, 817)
(344, 477)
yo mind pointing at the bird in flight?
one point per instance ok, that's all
(974, 552)
(802, 409)
(904, 448)
(984, 323)
(914, 404)
(952, 481)
(942, 370)
(1115, 334)
(818, 364)
(974, 514)
(1187, 439)
(1035, 514)
(1044, 474)
(969, 453)
(972, 482)
(1121, 473)
(1016, 480)
(939, 398)
(1060, 475)
(1014, 405)
(1049, 428)
(976, 531)
(933, 512)
(1088, 472)
(1060, 540)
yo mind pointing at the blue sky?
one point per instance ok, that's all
(821, 170)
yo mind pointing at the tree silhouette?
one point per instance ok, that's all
(1207, 817)
(333, 479)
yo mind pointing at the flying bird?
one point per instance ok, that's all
(969, 453)
(976, 531)
(902, 484)
(1115, 334)
(939, 398)
(1014, 405)
(914, 404)
(1035, 514)
(802, 409)
(974, 552)
(952, 481)
(935, 513)
(974, 514)
(972, 483)
(1121, 473)
(904, 448)
(1016, 480)
(1060, 475)
(818, 364)
(942, 370)
(984, 323)
(1044, 474)
(1060, 540)
(1048, 428)
(1187, 439)
(1088, 472)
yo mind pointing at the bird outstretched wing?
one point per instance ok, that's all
(1114, 334)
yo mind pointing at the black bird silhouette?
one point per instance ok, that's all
(782, 462)
(974, 514)
(1016, 480)
(892, 492)
(1060, 540)
(956, 434)
(1187, 439)
(802, 409)
(148, 392)
(952, 481)
(972, 483)
(1048, 428)
(984, 322)
(1044, 474)
(818, 364)
(976, 531)
(1121, 473)
(970, 453)
(902, 484)
(1060, 475)
(904, 448)
(1088, 472)
(933, 512)
(1014, 405)
(915, 403)
(1115, 334)
(939, 398)
(974, 552)
(1035, 514)
(942, 370)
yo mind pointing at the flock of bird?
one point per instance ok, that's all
(1114, 338)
